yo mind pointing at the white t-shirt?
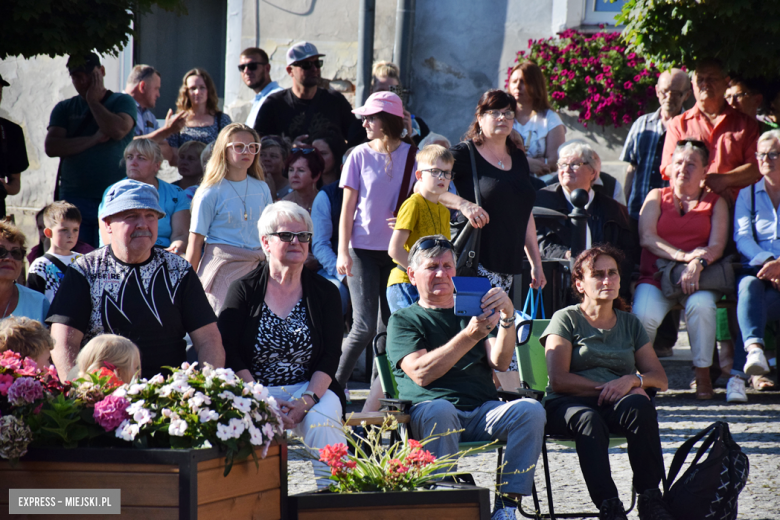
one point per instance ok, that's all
(218, 212)
(535, 131)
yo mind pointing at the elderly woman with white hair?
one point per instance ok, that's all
(608, 221)
(281, 326)
(142, 159)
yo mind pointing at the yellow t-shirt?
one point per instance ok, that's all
(422, 218)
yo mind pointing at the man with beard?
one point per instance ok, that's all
(133, 289)
(305, 108)
(255, 69)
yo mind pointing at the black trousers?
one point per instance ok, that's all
(633, 416)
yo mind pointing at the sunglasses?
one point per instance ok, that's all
(433, 242)
(17, 253)
(303, 150)
(251, 66)
(693, 142)
(304, 237)
(306, 65)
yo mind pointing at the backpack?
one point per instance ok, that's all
(708, 489)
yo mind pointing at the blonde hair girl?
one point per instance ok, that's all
(110, 349)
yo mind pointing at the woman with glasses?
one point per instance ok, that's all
(198, 98)
(508, 229)
(540, 127)
(225, 212)
(17, 300)
(688, 224)
(281, 327)
(758, 300)
(608, 222)
(273, 158)
(142, 159)
(372, 180)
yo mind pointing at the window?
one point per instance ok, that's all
(601, 11)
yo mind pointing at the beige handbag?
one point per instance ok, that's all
(718, 276)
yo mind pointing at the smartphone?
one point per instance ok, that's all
(468, 294)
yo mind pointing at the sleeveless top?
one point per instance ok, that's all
(685, 232)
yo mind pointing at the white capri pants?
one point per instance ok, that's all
(319, 428)
(650, 306)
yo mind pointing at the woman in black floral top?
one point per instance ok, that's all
(282, 326)
(198, 97)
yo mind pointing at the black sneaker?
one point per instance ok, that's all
(651, 506)
(612, 509)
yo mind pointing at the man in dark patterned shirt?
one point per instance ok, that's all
(135, 290)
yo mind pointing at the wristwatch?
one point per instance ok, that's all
(312, 395)
(703, 262)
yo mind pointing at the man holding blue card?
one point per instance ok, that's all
(444, 364)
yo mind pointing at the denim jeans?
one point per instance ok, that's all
(757, 303)
(401, 296)
(650, 306)
(367, 287)
(519, 423)
(89, 230)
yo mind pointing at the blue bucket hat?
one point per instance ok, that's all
(130, 194)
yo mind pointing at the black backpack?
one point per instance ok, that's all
(708, 489)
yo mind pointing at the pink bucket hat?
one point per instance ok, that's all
(381, 102)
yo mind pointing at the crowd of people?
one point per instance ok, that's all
(312, 219)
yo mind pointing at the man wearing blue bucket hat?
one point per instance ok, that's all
(135, 290)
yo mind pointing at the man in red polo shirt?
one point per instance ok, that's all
(730, 135)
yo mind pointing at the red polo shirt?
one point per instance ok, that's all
(731, 140)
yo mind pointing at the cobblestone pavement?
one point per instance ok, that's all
(755, 426)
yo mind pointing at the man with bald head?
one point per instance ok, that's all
(645, 141)
(730, 135)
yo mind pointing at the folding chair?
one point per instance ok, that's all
(390, 403)
(532, 366)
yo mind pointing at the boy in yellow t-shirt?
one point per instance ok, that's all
(419, 216)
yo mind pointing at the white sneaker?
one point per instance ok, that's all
(735, 391)
(756, 364)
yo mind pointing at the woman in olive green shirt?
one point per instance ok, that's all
(599, 361)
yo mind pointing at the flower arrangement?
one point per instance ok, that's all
(594, 76)
(190, 408)
(403, 466)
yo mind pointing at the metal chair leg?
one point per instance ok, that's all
(498, 470)
(547, 480)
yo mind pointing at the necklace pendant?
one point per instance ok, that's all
(500, 165)
(245, 216)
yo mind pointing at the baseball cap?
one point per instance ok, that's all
(4, 83)
(89, 62)
(381, 102)
(301, 51)
(130, 194)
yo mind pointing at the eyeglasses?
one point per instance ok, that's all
(306, 65)
(772, 156)
(496, 114)
(369, 119)
(737, 96)
(303, 150)
(439, 174)
(253, 148)
(16, 253)
(574, 165)
(433, 242)
(252, 65)
(304, 237)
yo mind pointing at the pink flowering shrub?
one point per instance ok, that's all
(111, 411)
(593, 75)
(25, 390)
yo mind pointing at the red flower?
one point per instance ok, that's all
(413, 444)
(113, 380)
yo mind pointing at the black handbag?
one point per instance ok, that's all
(709, 488)
(466, 238)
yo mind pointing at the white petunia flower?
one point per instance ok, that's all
(198, 400)
(157, 380)
(127, 430)
(136, 388)
(166, 412)
(242, 404)
(165, 391)
(237, 427)
(143, 416)
(134, 407)
(177, 428)
(206, 415)
(255, 436)
(226, 394)
(268, 430)
(259, 392)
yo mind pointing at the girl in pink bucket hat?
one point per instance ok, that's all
(377, 177)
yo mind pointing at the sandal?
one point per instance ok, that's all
(762, 383)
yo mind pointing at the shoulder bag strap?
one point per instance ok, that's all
(684, 450)
(474, 176)
(57, 262)
(404, 193)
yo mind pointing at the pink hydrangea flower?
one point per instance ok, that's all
(6, 380)
(25, 390)
(111, 412)
(10, 360)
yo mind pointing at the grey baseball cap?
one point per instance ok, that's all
(301, 51)
(130, 194)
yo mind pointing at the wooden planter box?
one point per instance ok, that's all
(159, 484)
(453, 502)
